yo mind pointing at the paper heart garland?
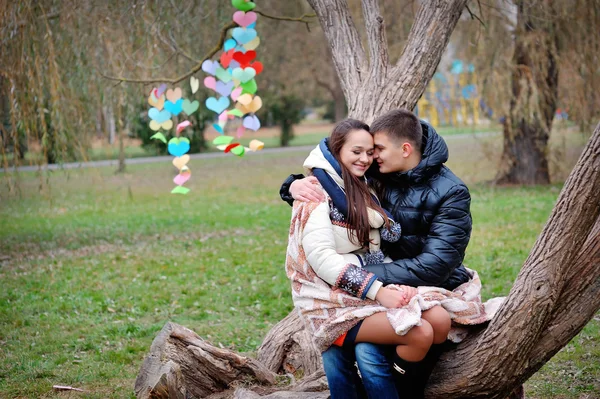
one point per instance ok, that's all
(244, 18)
(174, 95)
(194, 84)
(180, 162)
(178, 146)
(166, 125)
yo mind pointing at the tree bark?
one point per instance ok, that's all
(534, 97)
(373, 86)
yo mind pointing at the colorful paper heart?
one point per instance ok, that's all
(234, 64)
(243, 35)
(251, 122)
(159, 116)
(243, 75)
(257, 66)
(226, 58)
(183, 125)
(238, 150)
(235, 112)
(244, 58)
(217, 106)
(194, 84)
(236, 93)
(252, 44)
(243, 5)
(174, 107)
(210, 66)
(178, 146)
(180, 162)
(160, 90)
(252, 25)
(180, 190)
(189, 107)
(256, 145)
(245, 99)
(224, 89)
(157, 103)
(182, 177)
(244, 18)
(174, 95)
(159, 136)
(229, 44)
(210, 82)
(250, 107)
(240, 132)
(222, 140)
(249, 87)
(223, 74)
(218, 128)
(166, 125)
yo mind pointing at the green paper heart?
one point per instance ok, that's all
(248, 87)
(180, 190)
(239, 150)
(235, 112)
(243, 5)
(160, 137)
(189, 107)
(221, 140)
(223, 75)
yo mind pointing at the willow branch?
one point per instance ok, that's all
(189, 73)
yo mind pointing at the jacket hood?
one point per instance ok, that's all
(322, 158)
(434, 155)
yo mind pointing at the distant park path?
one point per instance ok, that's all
(209, 155)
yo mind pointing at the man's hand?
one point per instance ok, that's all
(391, 298)
(307, 190)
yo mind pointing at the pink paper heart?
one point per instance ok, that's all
(236, 93)
(223, 116)
(181, 178)
(240, 131)
(182, 126)
(210, 82)
(244, 18)
(161, 89)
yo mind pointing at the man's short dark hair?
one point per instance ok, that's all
(399, 125)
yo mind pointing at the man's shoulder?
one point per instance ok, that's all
(446, 181)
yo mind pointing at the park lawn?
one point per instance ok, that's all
(94, 264)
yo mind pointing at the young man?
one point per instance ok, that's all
(432, 206)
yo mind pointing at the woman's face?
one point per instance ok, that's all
(357, 152)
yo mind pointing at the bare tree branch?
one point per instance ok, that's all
(378, 51)
(474, 16)
(189, 73)
(302, 18)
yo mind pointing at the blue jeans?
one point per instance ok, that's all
(374, 364)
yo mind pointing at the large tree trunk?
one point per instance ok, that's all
(534, 95)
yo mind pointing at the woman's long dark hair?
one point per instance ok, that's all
(357, 191)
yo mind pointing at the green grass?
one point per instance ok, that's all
(94, 264)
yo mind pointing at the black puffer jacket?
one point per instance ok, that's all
(433, 207)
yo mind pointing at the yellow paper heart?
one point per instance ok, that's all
(256, 145)
(156, 103)
(166, 125)
(180, 162)
(252, 44)
(255, 105)
(245, 99)
(174, 95)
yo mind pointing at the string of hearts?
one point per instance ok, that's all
(166, 104)
(233, 77)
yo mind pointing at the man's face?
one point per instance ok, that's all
(389, 155)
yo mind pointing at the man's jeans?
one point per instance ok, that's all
(374, 364)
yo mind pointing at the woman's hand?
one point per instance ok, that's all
(307, 190)
(409, 291)
(391, 298)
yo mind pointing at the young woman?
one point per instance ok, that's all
(341, 303)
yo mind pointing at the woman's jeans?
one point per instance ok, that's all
(373, 362)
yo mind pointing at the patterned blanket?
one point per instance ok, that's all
(328, 312)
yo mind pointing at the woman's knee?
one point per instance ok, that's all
(440, 321)
(423, 338)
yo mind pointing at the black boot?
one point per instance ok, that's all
(406, 378)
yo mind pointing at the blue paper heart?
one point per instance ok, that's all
(159, 116)
(217, 106)
(252, 25)
(241, 49)
(234, 64)
(218, 128)
(229, 44)
(178, 147)
(243, 35)
(210, 66)
(251, 122)
(224, 89)
(174, 108)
